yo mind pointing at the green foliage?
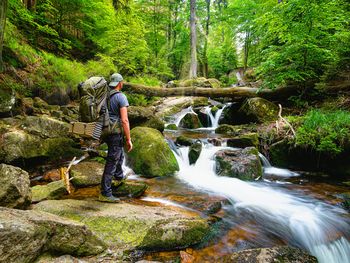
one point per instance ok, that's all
(301, 40)
(139, 99)
(325, 131)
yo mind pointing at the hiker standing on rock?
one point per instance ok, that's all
(118, 113)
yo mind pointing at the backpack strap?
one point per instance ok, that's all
(111, 94)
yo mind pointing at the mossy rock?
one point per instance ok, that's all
(151, 155)
(184, 141)
(133, 226)
(171, 126)
(245, 140)
(282, 254)
(190, 121)
(155, 123)
(18, 145)
(227, 129)
(241, 163)
(27, 234)
(14, 187)
(199, 82)
(258, 110)
(7, 100)
(51, 191)
(44, 126)
(129, 189)
(87, 173)
(194, 152)
(214, 110)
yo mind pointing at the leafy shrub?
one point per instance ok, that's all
(325, 131)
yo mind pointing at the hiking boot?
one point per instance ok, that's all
(108, 199)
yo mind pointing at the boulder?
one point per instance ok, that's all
(7, 101)
(54, 190)
(155, 123)
(215, 141)
(133, 226)
(190, 121)
(86, 173)
(138, 115)
(14, 187)
(226, 129)
(258, 110)
(171, 126)
(26, 234)
(204, 117)
(243, 164)
(199, 82)
(35, 137)
(184, 141)
(244, 140)
(130, 189)
(151, 155)
(194, 152)
(44, 126)
(283, 254)
(19, 145)
(47, 258)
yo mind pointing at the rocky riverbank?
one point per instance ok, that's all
(35, 144)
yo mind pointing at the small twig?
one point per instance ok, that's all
(64, 172)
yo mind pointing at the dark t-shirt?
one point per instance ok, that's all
(118, 101)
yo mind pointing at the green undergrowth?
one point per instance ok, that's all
(45, 70)
(325, 131)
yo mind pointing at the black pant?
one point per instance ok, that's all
(114, 161)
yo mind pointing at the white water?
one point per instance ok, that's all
(270, 170)
(178, 117)
(302, 221)
(214, 119)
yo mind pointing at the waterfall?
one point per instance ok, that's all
(302, 221)
(178, 117)
(214, 119)
(270, 170)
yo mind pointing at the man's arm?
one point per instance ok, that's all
(126, 127)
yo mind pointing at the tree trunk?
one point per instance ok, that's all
(3, 9)
(193, 68)
(235, 94)
(205, 53)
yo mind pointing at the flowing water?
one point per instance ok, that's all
(295, 218)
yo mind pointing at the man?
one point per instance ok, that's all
(118, 114)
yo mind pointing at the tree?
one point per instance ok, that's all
(3, 9)
(193, 66)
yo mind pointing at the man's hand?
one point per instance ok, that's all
(128, 145)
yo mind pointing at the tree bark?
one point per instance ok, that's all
(3, 9)
(193, 68)
(234, 94)
(205, 53)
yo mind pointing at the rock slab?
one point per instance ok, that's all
(24, 235)
(133, 226)
(14, 187)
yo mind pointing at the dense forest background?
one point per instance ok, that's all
(57, 44)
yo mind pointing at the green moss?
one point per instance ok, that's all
(155, 123)
(190, 121)
(226, 129)
(214, 110)
(245, 140)
(130, 189)
(190, 232)
(171, 127)
(151, 155)
(50, 191)
(184, 141)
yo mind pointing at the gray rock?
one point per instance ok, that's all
(14, 187)
(271, 255)
(244, 140)
(54, 190)
(47, 258)
(240, 163)
(133, 226)
(87, 173)
(26, 234)
(7, 100)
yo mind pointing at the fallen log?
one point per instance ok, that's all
(235, 94)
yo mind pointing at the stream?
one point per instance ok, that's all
(278, 210)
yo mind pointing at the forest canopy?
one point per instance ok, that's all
(295, 41)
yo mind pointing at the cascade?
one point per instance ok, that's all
(301, 220)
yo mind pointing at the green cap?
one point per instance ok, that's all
(115, 79)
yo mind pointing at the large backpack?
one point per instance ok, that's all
(94, 108)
